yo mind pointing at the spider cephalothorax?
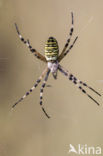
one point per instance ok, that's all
(52, 58)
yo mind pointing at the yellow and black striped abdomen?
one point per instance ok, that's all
(51, 49)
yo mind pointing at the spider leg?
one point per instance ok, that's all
(68, 40)
(78, 83)
(55, 74)
(71, 46)
(34, 86)
(73, 78)
(41, 93)
(84, 84)
(37, 54)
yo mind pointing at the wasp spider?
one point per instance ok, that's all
(52, 59)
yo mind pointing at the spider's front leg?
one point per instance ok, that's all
(37, 54)
(34, 86)
(41, 93)
(78, 83)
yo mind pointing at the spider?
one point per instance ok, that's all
(52, 59)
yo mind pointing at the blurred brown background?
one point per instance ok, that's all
(75, 119)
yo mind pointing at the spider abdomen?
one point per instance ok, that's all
(51, 49)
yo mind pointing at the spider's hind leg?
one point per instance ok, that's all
(32, 50)
(61, 56)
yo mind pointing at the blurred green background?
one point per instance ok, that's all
(75, 119)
